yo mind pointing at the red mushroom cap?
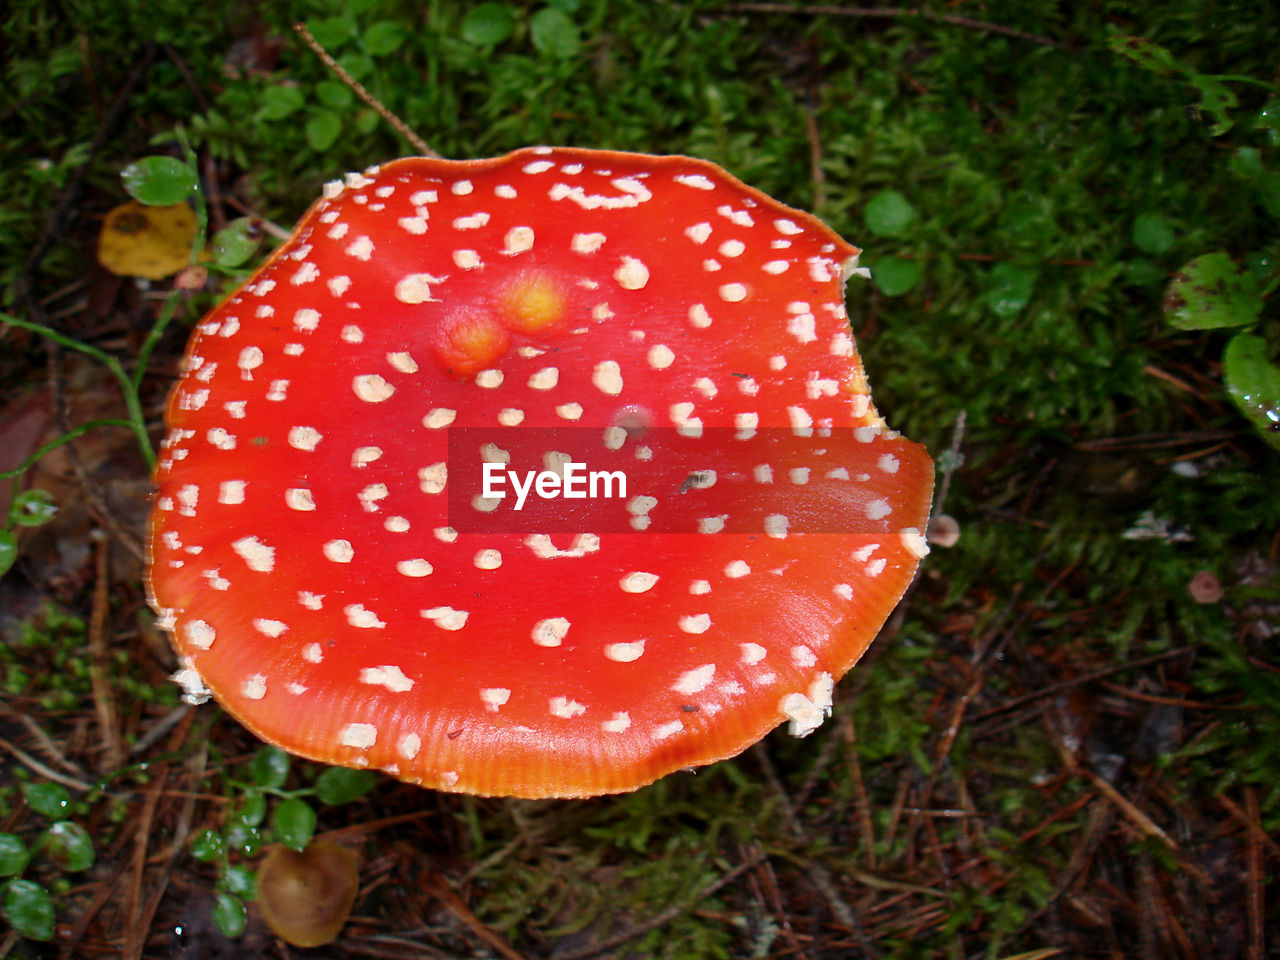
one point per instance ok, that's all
(304, 553)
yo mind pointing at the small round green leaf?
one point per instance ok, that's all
(1210, 292)
(1153, 234)
(236, 242)
(323, 130)
(384, 37)
(335, 96)
(341, 785)
(34, 508)
(295, 823)
(229, 915)
(554, 34)
(280, 101)
(1009, 289)
(244, 838)
(1253, 383)
(489, 24)
(28, 909)
(252, 809)
(13, 855)
(889, 214)
(894, 276)
(8, 551)
(357, 63)
(207, 846)
(49, 799)
(159, 181)
(68, 846)
(332, 32)
(269, 767)
(240, 880)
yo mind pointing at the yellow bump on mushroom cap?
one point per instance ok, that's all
(532, 302)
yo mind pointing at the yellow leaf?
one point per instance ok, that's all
(151, 242)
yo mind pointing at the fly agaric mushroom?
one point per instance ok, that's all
(303, 553)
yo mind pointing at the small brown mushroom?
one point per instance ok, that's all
(306, 897)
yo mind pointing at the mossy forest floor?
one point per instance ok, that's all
(1065, 743)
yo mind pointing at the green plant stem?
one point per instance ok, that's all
(197, 247)
(153, 337)
(136, 421)
(1237, 78)
(52, 445)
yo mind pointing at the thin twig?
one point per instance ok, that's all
(1055, 688)
(1256, 833)
(134, 932)
(44, 741)
(817, 872)
(476, 925)
(163, 726)
(99, 663)
(1253, 861)
(47, 772)
(401, 127)
(897, 13)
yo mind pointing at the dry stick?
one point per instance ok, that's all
(861, 800)
(43, 740)
(1255, 832)
(163, 726)
(1254, 861)
(108, 886)
(993, 640)
(134, 938)
(401, 127)
(897, 13)
(818, 873)
(195, 774)
(1056, 688)
(765, 888)
(463, 913)
(1100, 819)
(47, 772)
(99, 662)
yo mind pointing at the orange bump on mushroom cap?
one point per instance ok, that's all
(470, 340)
(302, 551)
(532, 302)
